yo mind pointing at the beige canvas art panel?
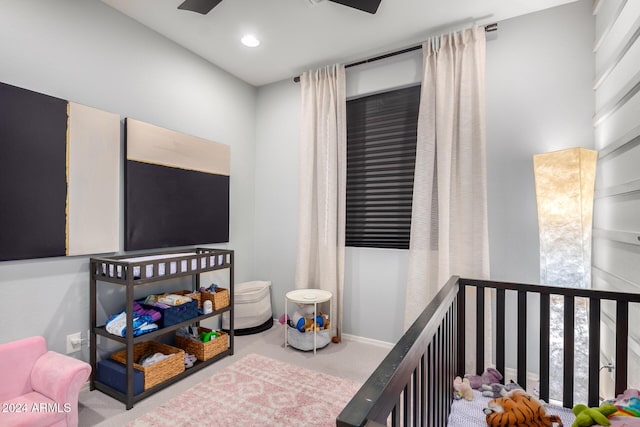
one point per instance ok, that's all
(93, 168)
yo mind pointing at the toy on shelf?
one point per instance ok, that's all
(211, 289)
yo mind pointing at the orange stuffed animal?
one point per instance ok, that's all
(519, 409)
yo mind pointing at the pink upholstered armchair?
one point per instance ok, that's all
(39, 387)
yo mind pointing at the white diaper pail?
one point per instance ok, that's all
(252, 308)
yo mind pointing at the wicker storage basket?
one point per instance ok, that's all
(191, 294)
(160, 371)
(204, 350)
(219, 298)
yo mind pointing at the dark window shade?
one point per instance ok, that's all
(381, 157)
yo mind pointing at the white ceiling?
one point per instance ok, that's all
(297, 35)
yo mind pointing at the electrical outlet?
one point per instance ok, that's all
(74, 342)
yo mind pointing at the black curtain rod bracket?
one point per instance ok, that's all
(488, 28)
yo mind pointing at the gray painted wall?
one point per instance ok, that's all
(539, 98)
(87, 52)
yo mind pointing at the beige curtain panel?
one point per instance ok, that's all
(322, 191)
(449, 231)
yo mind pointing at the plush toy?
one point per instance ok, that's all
(462, 389)
(518, 409)
(324, 321)
(310, 325)
(586, 416)
(489, 376)
(496, 390)
(628, 403)
(627, 394)
(283, 319)
(628, 407)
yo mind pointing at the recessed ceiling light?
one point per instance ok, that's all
(250, 40)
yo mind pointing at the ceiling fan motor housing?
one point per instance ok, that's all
(205, 6)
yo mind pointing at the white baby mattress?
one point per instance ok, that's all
(164, 268)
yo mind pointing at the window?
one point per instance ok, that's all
(381, 155)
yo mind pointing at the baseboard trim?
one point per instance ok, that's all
(378, 343)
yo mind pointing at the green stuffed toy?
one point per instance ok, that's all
(586, 416)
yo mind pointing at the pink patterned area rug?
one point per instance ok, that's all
(256, 391)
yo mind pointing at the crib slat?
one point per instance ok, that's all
(444, 381)
(438, 390)
(545, 323)
(452, 350)
(569, 328)
(522, 338)
(415, 397)
(454, 340)
(500, 330)
(423, 391)
(395, 415)
(479, 330)
(622, 338)
(443, 363)
(406, 401)
(462, 351)
(430, 383)
(594, 352)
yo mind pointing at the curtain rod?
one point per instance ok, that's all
(488, 28)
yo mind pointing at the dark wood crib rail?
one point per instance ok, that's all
(569, 295)
(413, 384)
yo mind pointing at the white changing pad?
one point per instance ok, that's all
(466, 413)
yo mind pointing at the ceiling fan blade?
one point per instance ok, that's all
(199, 6)
(370, 6)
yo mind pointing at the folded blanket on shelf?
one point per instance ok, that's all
(150, 359)
(142, 324)
(172, 299)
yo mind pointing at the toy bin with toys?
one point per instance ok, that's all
(303, 329)
(304, 340)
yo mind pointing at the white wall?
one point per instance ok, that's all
(87, 52)
(539, 99)
(539, 71)
(276, 209)
(616, 247)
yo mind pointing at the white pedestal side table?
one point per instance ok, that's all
(306, 296)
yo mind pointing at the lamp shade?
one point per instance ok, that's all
(564, 182)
